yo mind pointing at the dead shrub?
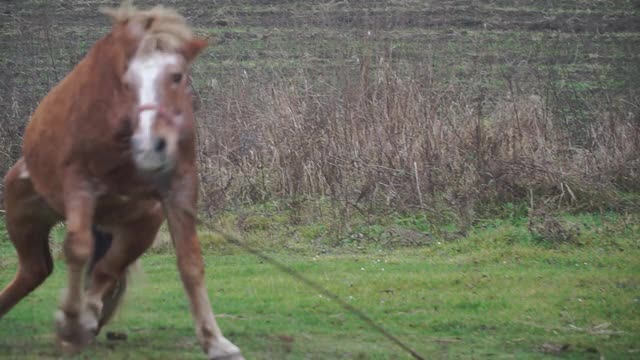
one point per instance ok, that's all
(545, 225)
(384, 139)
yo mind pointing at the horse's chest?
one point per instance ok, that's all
(114, 209)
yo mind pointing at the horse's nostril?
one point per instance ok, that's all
(161, 144)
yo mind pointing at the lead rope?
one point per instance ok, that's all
(310, 283)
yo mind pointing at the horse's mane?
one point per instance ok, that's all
(161, 28)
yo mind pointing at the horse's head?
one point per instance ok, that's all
(155, 79)
(163, 111)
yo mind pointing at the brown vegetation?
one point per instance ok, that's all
(396, 141)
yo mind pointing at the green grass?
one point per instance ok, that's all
(498, 292)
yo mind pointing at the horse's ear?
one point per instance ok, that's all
(192, 48)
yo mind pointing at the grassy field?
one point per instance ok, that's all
(497, 292)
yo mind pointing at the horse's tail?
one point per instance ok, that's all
(101, 243)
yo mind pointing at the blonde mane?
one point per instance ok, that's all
(160, 28)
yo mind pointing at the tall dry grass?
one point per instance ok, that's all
(399, 142)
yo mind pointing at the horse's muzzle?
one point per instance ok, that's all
(152, 142)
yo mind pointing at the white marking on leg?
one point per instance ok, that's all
(222, 348)
(213, 342)
(75, 323)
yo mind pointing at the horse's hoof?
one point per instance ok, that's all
(75, 332)
(223, 349)
(110, 302)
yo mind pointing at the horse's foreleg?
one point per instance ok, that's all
(129, 242)
(190, 265)
(75, 325)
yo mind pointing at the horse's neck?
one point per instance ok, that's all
(100, 65)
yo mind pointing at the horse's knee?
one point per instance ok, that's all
(191, 273)
(78, 247)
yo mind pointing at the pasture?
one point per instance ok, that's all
(494, 293)
(481, 239)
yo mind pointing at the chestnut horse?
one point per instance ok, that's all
(112, 147)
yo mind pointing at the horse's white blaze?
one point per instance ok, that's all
(146, 75)
(145, 72)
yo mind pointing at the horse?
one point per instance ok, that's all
(110, 150)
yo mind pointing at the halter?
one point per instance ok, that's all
(161, 110)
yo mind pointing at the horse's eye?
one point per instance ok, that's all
(177, 77)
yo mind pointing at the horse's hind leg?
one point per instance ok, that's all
(28, 220)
